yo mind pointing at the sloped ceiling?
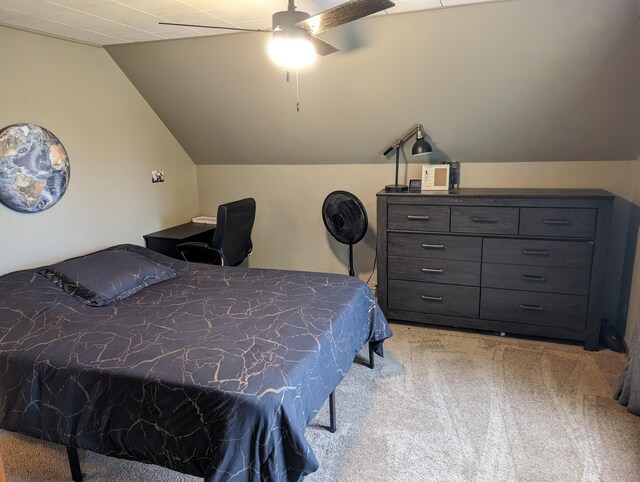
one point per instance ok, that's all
(108, 22)
(513, 81)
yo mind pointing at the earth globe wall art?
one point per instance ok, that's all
(34, 168)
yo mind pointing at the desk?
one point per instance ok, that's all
(165, 241)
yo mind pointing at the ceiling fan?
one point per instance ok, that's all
(294, 42)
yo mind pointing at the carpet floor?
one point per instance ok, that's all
(441, 405)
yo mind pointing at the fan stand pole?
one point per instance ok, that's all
(351, 272)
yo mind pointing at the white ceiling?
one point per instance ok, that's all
(107, 22)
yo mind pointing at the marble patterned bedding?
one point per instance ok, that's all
(214, 373)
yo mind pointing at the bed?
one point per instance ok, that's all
(213, 372)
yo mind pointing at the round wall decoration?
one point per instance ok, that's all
(34, 168)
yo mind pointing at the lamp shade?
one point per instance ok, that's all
(421, 147)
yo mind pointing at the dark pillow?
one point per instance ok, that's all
(101, 278)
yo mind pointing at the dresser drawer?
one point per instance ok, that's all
(567, 222)
(567, 254)
(418, 218)
(545, 309)
(435, 270)
(434, 298)
(489, 220)
(550, 279)
(435, 246)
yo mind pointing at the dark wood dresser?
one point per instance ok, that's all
(525, 261)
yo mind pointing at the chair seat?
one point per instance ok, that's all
(195, 252)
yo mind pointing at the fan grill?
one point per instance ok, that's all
(346, 220)
(344, 217)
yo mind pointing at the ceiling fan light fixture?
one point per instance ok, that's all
(291, 49)
(294, 43)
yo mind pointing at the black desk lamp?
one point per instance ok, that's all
(420, 148)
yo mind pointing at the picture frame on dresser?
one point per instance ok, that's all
(435, 177)
(522, 261)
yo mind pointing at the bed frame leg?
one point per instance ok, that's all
(332, 412)
(371, 360)
(74, 464)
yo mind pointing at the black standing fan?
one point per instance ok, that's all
(346, 220)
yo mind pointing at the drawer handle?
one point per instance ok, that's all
(484, 220)
(531, 307)
(432, 298)
(433, 246)
(536, 252)
(432, 270)
(530, 277)
(415, 217)
(557, 222)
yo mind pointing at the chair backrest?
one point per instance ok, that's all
(232, 237)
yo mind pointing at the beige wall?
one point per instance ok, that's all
(113, 138)
(289, 232)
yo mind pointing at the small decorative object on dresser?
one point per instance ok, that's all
(435, 178)
(454, 175)
(525, 261)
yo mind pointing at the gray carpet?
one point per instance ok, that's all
(442, 405)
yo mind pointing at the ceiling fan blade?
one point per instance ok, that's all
(322, 48)
(344, 13)
(211, 26)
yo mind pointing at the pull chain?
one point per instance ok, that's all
(297, 90)
(297, 93)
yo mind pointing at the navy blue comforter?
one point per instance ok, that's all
(214, 373)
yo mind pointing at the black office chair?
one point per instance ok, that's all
(231, 240)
